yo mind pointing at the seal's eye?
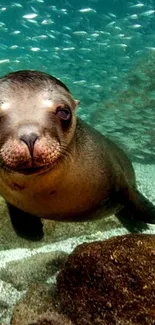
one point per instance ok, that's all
(65, 116)
(63, 113)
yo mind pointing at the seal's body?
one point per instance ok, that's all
(52, 164)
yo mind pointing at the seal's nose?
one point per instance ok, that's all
(29, 140)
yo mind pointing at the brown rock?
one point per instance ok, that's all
(36, 302)
(36, 308)
(52, 319)
(110, 282)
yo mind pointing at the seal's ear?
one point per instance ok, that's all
(77, 102)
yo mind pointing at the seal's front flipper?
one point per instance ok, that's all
(137, 206)
(130, 222)
(25, 224)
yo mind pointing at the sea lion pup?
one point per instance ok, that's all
(55, 166)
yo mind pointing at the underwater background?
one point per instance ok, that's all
(104, 51)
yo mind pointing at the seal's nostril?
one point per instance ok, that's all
(29, 140)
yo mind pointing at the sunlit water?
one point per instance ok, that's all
(103, 50)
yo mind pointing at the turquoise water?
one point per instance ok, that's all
(105, 53)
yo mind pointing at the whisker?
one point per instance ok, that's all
(66, 152)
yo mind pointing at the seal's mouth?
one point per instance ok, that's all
(30, 170)
(16, 157)
(33, 170)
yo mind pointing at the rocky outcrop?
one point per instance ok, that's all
(36, 308)
(110, 282)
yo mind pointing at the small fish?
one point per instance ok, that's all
(40, 37)
(105, 33)
(112, 15)
(51, 36)
(122, 45)
(128, 37)
(136, 26)
(138, 5)
(4, 61)
(79, 82)
(97, 86)
(113, 78)
(111, 24)
(85, 49)
(67, 35)
(47, 22)
(68, 48)
(147, 13)
(103, 43)
(34, 9)
(95, 35)
(35, 49)
(87, 10)
(80, 32)
(63, 11)
(120, 35)
(150, 48)
(118, 28)
(53, 8)
(133, 16)
(67, 28)
(17, 5)
(16, 32)
(30, 16)
(13, 47)
(33, 21)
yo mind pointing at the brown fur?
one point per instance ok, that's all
(80, 170)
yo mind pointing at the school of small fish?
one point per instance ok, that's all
(96, 50)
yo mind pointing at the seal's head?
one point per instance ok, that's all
(37, 121)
